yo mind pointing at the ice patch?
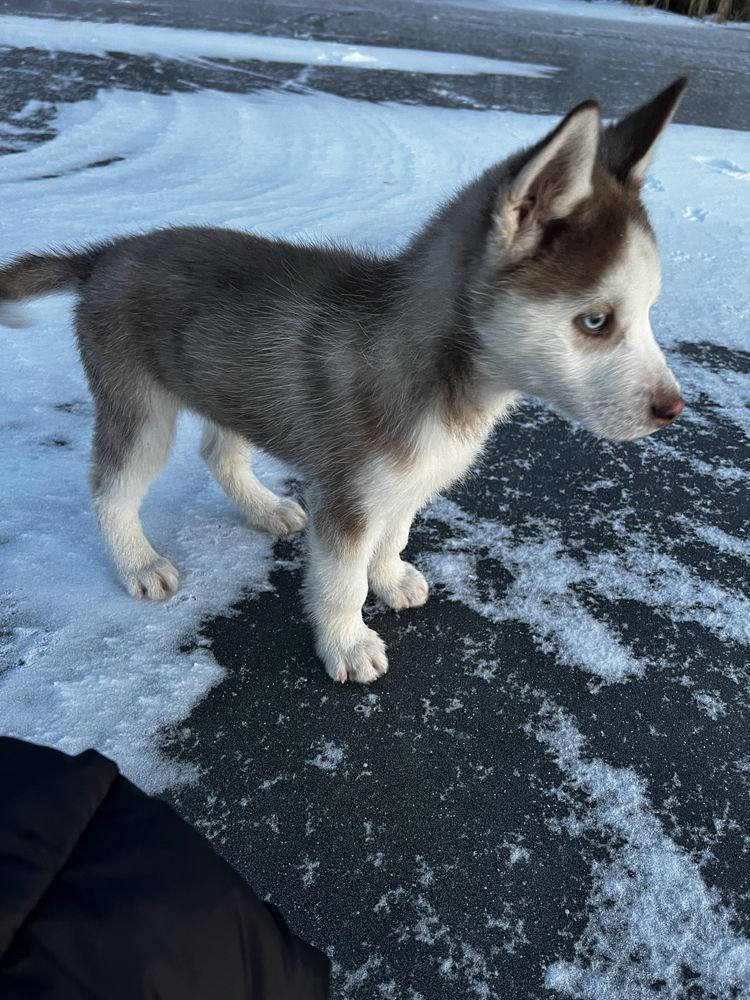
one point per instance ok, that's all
(99, 38)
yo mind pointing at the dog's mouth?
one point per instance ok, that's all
(608, 426)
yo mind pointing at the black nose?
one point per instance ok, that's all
(665, 409)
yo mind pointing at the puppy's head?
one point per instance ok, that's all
(571, 271)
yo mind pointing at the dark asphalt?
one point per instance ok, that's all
(438, 778)
(416, 830)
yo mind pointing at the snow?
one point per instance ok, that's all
(652, 917)
(98, 669)
(719, 539)
(601, 10)
(84, 665)
(98, 38)
(547, 592)
(328, 757)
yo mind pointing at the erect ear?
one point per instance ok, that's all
(549, 185)
(627, 146)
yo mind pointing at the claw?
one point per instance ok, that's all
(362, 662)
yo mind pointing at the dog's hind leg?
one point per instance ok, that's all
(132, 439)
(228, 456)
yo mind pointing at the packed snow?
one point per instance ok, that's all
(98, 38)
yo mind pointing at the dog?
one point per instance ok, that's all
(378, 378)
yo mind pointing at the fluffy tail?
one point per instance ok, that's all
(39, 274)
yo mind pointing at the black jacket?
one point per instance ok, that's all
(106, 894)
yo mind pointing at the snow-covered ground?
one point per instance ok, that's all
(84, 665)
(175, 43)
(607, 10)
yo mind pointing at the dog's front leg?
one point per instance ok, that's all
(335, 590)
(397, 583)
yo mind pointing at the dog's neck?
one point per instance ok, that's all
(440, 268)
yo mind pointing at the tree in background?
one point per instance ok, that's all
(725, 10)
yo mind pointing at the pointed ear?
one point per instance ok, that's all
(555, 178)
(627, 146)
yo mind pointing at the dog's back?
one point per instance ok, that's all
(253, 334)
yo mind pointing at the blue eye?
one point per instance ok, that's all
(594, 323)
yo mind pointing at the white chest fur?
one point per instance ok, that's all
(440, 457)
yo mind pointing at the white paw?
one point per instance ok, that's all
(283, 519)
(407, 590)
(363, 662)
(155, 582)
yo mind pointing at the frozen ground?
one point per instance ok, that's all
(548, 793)
(172, 43)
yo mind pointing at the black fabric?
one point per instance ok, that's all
(107, 893)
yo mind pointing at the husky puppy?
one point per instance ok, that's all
(379, 378)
